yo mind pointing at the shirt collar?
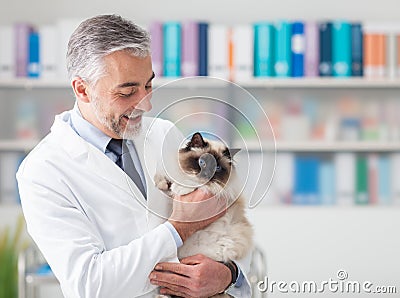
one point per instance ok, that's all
(88, 131)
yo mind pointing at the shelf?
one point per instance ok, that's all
(17, 145)
(329, 146)
(265, 207)
(205, 82)
(25, 83)
(39, 279)
(190, 82)
(281, 146)
(320, 83)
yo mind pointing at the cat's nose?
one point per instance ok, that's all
(208, 171)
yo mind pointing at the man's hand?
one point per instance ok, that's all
(195, 211)
(195, 276)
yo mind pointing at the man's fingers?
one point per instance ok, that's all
(192, 260)
(178, 268)
(163, 278)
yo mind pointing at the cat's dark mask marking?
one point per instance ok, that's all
(193, 159)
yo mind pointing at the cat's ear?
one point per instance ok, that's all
(233, 151)
(197, 141)
(230, 153)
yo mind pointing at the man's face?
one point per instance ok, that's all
(121, 96)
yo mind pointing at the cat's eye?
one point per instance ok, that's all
(218, 168)
(202, 163)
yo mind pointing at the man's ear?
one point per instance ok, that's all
(80, 88)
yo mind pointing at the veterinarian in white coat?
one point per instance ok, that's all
(88, 219)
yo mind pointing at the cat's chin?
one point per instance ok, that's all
(181, 190)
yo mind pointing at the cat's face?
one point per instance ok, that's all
(209, 161)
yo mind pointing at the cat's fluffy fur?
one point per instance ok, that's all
(229, 237)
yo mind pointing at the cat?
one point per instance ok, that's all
(209, 165)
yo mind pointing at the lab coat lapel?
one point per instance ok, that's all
(148, 148)
(96, 161)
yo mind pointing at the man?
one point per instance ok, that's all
(86, 217)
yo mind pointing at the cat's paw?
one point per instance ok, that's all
(162, 182)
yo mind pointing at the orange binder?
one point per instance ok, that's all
(374, 55)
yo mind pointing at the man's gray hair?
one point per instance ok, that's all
(98, 37)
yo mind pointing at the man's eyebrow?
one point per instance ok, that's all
(134, 84)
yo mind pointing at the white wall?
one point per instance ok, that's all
(314, 243)
(224, 11)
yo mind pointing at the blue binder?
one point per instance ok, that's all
(357, 50)
(298, 48)
(263, 49)
(172, 49)
(203, 49)
(33, 55)
(283, 59)
(325, 49)
(341, 53)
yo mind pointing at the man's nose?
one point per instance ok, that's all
(144, 104)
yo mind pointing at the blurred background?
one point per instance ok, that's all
(327, 75)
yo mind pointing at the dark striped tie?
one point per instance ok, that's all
(125, 162)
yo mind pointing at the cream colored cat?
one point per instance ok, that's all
(208, 165)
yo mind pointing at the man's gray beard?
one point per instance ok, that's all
(129, 133)
(132, 131)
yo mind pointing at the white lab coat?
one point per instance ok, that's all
(91, 222)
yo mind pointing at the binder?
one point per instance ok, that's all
(190, 49)
(391, 54)
(283, 60)
(263, 49)
(325, 49)
(356, 50)
(218, 51)
(8, 184)
(33, 69)
(22, 32)
(327, 183)
(306, 189)
(362, 196)
(394, 159)
(398, 54)
(345, 177)
(7, 53)
(243, 48)
(156, 33)
(373, 186)
(284, 179)
(298, 49)
(48, 50)
(203, 49)
(384, 181)
(172, 49)
(341, 49)
(311, 54)
(374, 51)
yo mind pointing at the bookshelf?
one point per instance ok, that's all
(266, 91)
